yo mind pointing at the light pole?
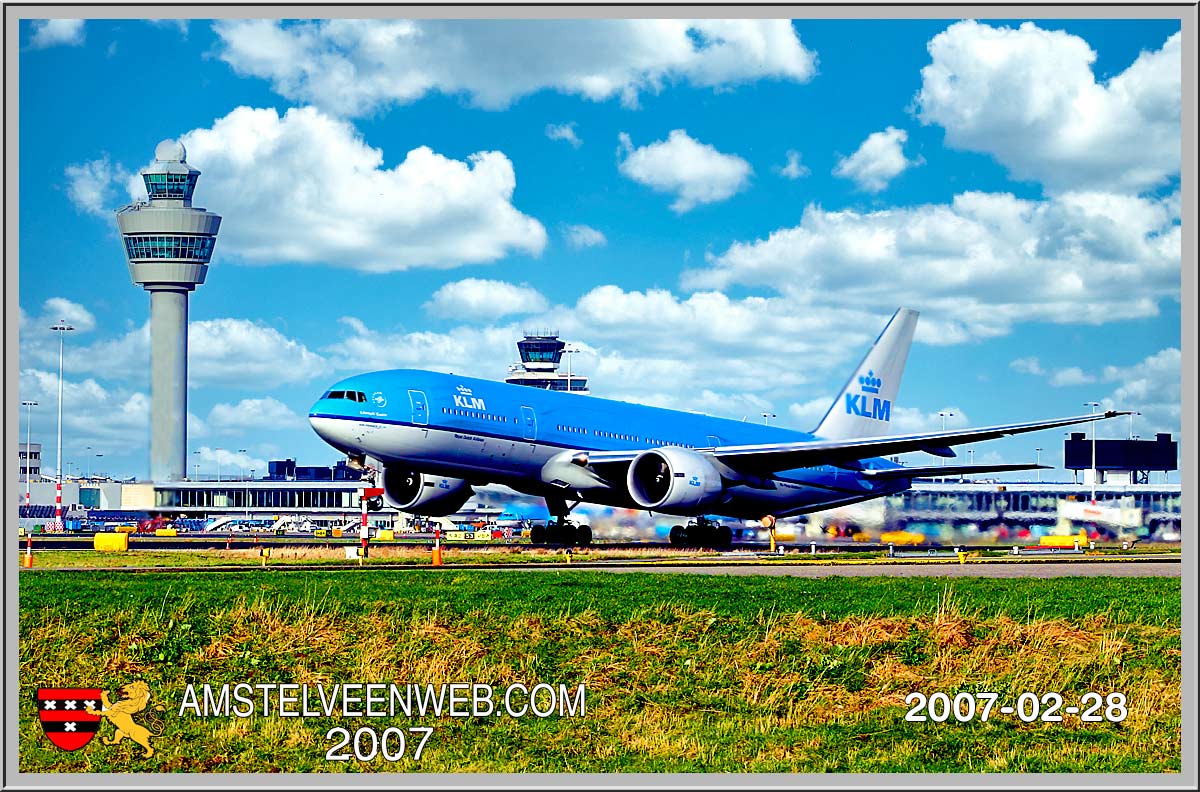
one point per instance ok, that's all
(944, 415)
(62, 328)
(98, 458)
(768, 416)
(248, 493)
(28, 405)
(569, 351)
(1092, 411)
(196, 466)
(219, 450)
(88, 454)
(1131, 424)
(1039, 462)
(241, 467)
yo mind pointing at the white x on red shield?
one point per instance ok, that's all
(64, 717)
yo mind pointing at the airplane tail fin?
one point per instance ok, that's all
(863, 407)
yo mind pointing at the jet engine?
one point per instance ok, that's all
(674, 480)
(423, 494)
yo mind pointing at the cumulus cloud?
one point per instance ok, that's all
(564, 132)
(793, 169)
(878, 160)
(975, 266)
(355, 67)
(93, 186)
(1152, 387)
(225, 351)
(583, 236)
(1067, 377)
(111, 420)
(1027, 365)
(473, 298)
(56, 32)
(343, 207)
(256, 414)
(696, 172)
(1029, 97)
(228, 463)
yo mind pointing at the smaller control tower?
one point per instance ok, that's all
(168, 243)
(541, 352)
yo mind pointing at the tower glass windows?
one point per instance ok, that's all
(169, 246)
(170, 185)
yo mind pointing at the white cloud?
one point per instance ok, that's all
(112, 421)
(583, 236)
(974, 267)
(93, 186)
(1153, 388)
(564, 132)
(1027, 365)
(1029, 97)
(473, 298)
(906, 420)
(247, 354)
(878, 160)
(696, 172)
(56, 32)
(256, 414)
(229, 464)
(181, 25)
(343, 207)
(1071, 376)
(225, 351)
(793, 169)
(355, 67)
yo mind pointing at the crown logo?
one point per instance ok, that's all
(464, 390)
(870, 383)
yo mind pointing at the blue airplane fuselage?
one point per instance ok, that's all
(482, 431)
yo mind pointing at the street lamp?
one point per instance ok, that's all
(1039, 462)
(196, 466)
(569, 351)
(248, 492)
(1131, 437)
(28, 405)
(768, 416)
(98, 458)
(241, 467)
(62, 328)
(88, 454)
(219, 450)
(1092, 411)
(944, 415)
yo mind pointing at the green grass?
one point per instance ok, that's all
(683, 673)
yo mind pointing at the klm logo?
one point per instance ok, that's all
(469, 402)
(868, 404)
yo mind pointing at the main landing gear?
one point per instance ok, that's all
(560, 530)
(702, 532)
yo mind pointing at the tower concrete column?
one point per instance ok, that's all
(168, 383)
(168, 243)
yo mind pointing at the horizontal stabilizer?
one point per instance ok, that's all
(947, 470)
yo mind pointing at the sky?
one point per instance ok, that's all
(721, 215)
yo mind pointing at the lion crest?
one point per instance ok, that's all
(120, 714)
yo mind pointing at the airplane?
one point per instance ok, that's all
(428, 438)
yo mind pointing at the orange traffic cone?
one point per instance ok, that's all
(27, 561)
(437, 554)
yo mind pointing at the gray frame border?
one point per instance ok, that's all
(1186, 13)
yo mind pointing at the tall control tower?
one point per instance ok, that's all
(168, 243)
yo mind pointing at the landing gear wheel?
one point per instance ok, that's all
(724, 537)
(583, 536)
(537, 534)
(677, 536)
(566, 534)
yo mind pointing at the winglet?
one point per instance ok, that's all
(863, 407)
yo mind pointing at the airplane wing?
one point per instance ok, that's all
(943, 471)
(772, 457)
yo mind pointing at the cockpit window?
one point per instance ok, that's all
(354, 396)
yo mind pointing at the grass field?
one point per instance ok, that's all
(683, 674)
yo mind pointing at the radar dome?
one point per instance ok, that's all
(170, 151)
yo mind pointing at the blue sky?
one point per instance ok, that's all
(722, 214)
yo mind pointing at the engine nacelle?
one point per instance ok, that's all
(674, 480)
(422, 493)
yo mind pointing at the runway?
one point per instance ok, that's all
(995, 568)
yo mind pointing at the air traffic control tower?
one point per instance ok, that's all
(168, 243)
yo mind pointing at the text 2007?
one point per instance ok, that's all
(368, 744)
